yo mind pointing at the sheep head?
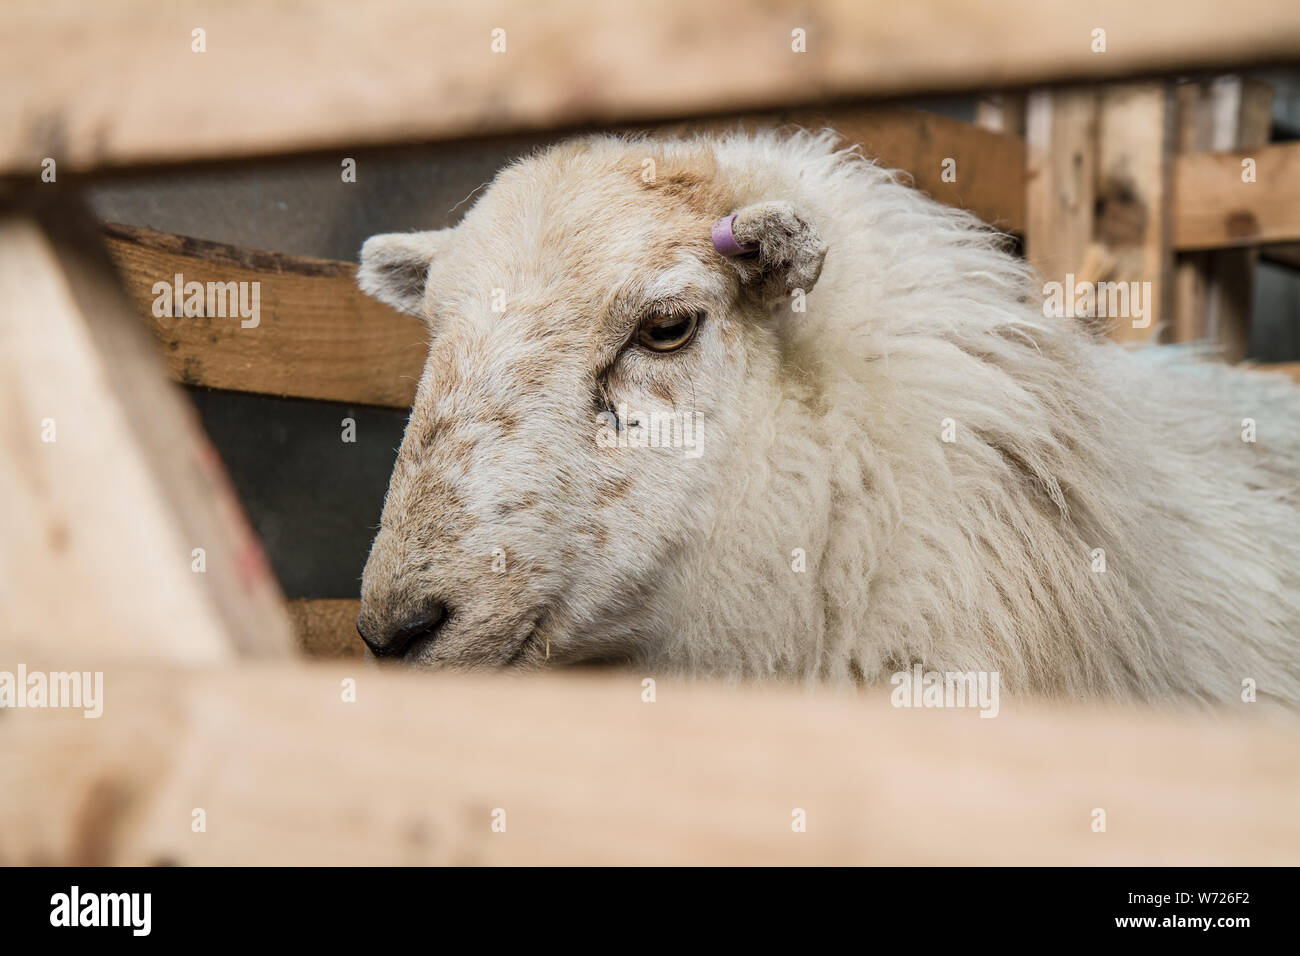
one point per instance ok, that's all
(594, 364)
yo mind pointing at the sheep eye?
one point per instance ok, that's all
(667, 331)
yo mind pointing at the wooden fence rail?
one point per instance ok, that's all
(317, 335)
(121, 82)
(281, 769)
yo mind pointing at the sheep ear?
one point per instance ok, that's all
(788, 250)
(395, 267)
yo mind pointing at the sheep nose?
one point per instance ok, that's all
(393, 639)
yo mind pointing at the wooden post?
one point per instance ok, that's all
(1135, 168)
(122, 534)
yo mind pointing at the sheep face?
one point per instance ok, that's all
(593, 362)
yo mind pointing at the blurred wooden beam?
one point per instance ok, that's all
(119, 82)
(123, 537)
(581, 770)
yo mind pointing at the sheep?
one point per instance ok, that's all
(897, 457)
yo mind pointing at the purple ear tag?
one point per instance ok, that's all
(724, 240)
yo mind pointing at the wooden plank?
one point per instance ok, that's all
(1061, 181)
(107, 485)
(327, 627)
(1215, 209)
(317, 335)
(279, 76)
(586, 772)
(1134, 164)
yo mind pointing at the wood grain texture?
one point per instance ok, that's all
(117, 83)
(1061, 181)
(287, 772)
(318, 335)
(107, 483)
(1135, 149)
(1215, 209)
